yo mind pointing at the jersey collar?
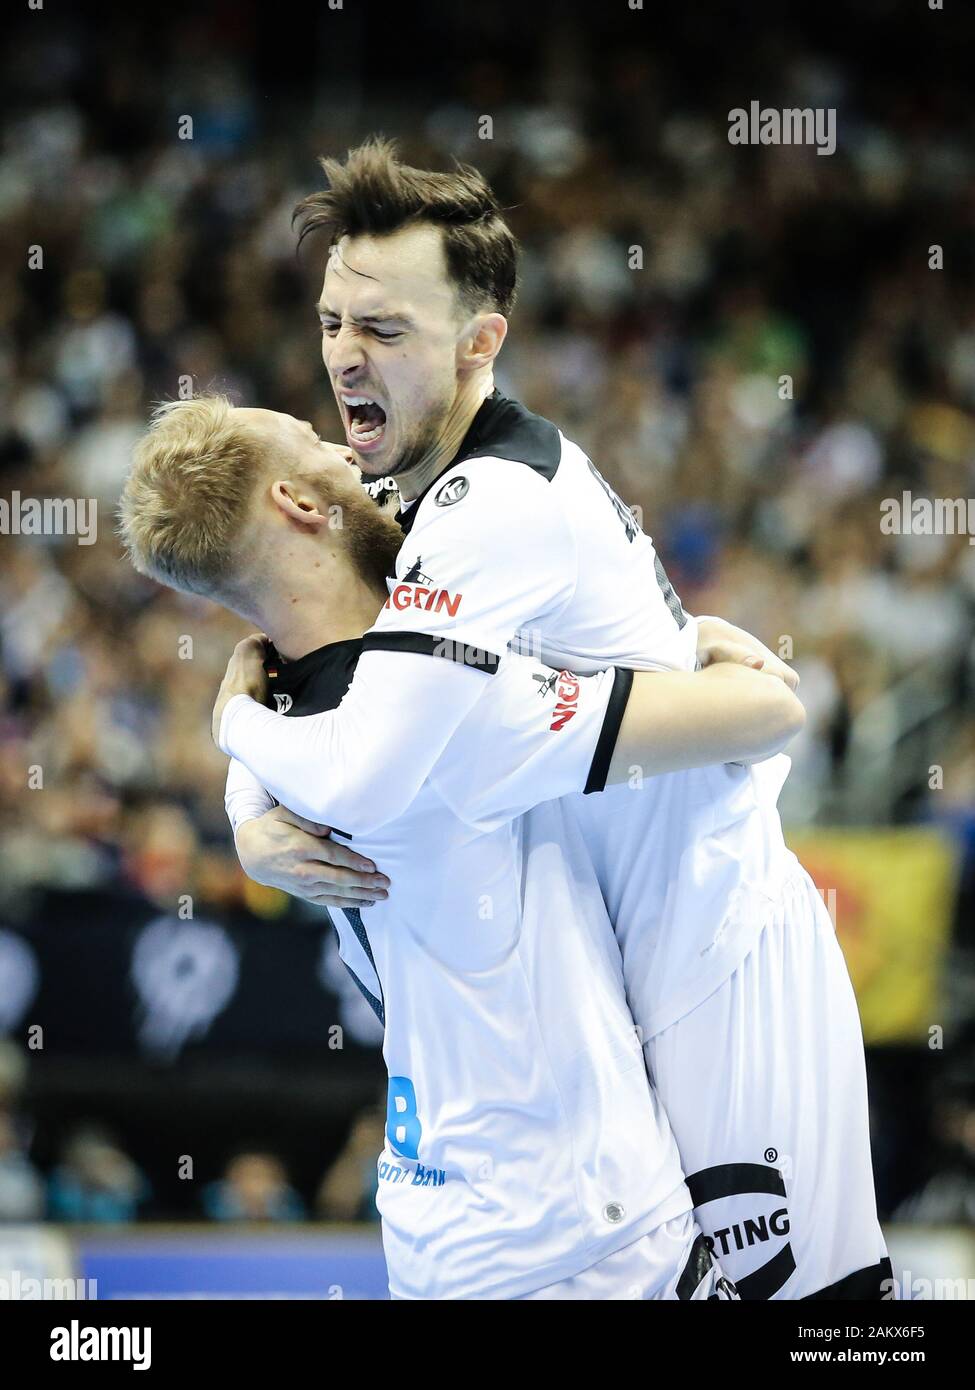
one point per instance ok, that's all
(479, 429)
(336, 659)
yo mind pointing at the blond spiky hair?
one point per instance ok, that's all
(186, 499)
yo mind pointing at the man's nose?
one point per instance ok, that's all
(343, 353)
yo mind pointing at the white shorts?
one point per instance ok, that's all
(765, 1088)
(670, 1262)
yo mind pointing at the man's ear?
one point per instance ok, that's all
(298, 504)
(481, 341)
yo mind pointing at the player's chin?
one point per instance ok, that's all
(373, 457)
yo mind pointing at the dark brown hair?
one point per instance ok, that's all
(372, 193)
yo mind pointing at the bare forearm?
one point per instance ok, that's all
(726, 713)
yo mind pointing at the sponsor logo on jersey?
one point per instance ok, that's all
(452, 492)
(411, 1176)
(375, 487)
(283, 702)
(566, 688)
(729, 1181)
(751, 1231)
(418, 590)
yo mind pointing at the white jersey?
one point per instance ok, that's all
(690, 866)
(523, 1142)
(689, 863)
(520, 543)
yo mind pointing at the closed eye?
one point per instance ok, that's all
(330, 324)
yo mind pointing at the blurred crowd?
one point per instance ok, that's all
(95, 1181)
(752, 343)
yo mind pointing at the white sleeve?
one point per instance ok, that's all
(245, 797)
(534, 735)
(474, 571)
(470, 574)
(359, 766)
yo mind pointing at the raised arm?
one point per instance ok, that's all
(676, 720)
(544, 734)
(360, 765)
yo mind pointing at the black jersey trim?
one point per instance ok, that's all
(697, 1267)
(763, 1283)
(427, 645)
(669, 593)
(734, 1180)
(502, 429)
(317, 681)
(374, 1003)
(505, 429)
(354, 919)
(609, 733)
(868, 1285)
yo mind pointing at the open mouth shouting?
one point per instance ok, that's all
(365, 422)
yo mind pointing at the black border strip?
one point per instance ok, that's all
(863, 1285)
(763, 1283)
(613, 718)
(424, 644)
(669, 593)
(354, 918)
(698, 1266)
(734, 1180)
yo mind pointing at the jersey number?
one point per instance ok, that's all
(403, 1128)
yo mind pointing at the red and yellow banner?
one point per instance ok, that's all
(891, 894)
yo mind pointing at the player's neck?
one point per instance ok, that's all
(311, 607)
(472, 392)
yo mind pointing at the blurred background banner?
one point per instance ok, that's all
(158, 987)
(892, 896)
(340, 1265)
(764, 347)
